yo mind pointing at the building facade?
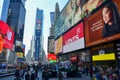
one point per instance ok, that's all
(38, 34)
(13, 13)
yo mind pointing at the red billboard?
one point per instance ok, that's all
(102, 26)
(73, 39)
(51, 56)
(8, 34)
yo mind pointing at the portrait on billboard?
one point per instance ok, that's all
(111, 20)
(103, 25)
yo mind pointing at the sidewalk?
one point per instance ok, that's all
(84, 77)
(6, 72)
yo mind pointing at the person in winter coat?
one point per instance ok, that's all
(32, 76)
(27, 76)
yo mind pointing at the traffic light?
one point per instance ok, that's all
(1, 43)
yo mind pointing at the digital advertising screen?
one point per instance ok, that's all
(51, 56)
(58, 45)
(69, 16)
(8, 34)
(102, 26)
(73, 12)
(19, 54)
(74, 39)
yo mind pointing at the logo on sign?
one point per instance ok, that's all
(9, 35)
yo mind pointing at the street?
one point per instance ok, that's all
(39, 75)
(7, 78)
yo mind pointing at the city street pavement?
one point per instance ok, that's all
(81, 78)
(40, 75)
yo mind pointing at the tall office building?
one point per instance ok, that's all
(13, 13)
(52, 18)
(5, 10)
(38, 34)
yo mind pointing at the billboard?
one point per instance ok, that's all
(58, 45)
(9, 39)
(37, 49)
(8, 34)
(74, 37)
(51, 41)
(102, 26)
(19, 54)
(73, 12)
(117, 3)
(51, 56)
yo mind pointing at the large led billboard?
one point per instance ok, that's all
(73, 12)
(74, 39)
(102, 26)
(58, 45)
(8, 34)
(51, 56)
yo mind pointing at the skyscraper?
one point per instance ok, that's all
(13, 13)
(38, 34)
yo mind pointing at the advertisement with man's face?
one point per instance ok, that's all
(73, 39)
(102, 26)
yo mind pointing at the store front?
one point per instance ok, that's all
(104, 55)
(84, 58)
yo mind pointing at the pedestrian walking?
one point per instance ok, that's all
(45, 74)
(27, 76)
(17, 73)
(32, 75)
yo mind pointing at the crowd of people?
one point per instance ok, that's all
(65, 70)
(27, 72)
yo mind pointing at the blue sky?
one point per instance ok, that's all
(31, 5)
(46, 5)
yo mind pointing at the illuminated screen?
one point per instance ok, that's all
(74, 39)
(58, 45)
(99, 29)
(73, 12)
(103, 57)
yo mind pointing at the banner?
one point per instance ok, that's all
(74, 39)
(8, 34)
(58, 45)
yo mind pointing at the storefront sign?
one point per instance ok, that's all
(73, 39)
(73, 58)
(103, 57)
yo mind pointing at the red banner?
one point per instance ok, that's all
(8, 34)
(74, 39)
(3, 27)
